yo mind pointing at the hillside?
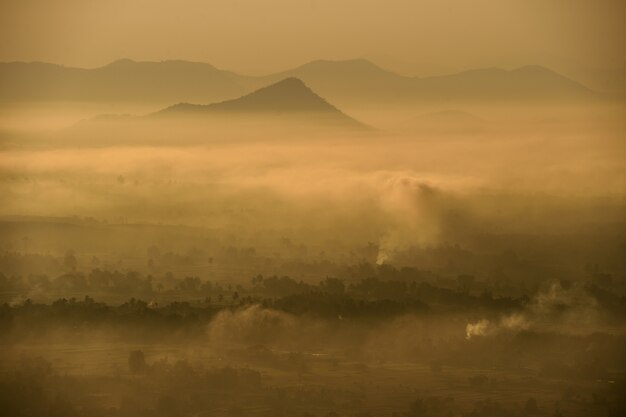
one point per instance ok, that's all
(289, 98)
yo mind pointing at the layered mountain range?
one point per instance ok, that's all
(356, 80)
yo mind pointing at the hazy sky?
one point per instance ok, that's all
(256, 36)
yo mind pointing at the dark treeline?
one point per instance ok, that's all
(286, 344)
(506, 268)
(399, 291)
(394, 289)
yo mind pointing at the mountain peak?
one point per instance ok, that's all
(169, 64)
(288, 95)
(347, 66)
(290, 83)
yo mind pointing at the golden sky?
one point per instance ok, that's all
(257, 36)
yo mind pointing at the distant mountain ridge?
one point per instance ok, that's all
(122, 80)
(341, 81)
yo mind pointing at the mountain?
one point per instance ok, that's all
(350, 80)
(530, 82)
(287, 99)
(123, 80)
(343, 75)
(360, 81)
(347, 82)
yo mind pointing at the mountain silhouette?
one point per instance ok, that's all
(289, 98)
(360, 80)
(529, 82)
(345, 82)
(123, 80)
(350, 80)
(340, 73)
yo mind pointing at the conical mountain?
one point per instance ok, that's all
(289, 98)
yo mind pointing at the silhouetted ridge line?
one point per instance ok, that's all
(287, 97)
(356, 80)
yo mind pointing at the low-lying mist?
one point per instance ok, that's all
(442, 262)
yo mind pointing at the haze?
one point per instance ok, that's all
(413, 37)
(249, 209)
